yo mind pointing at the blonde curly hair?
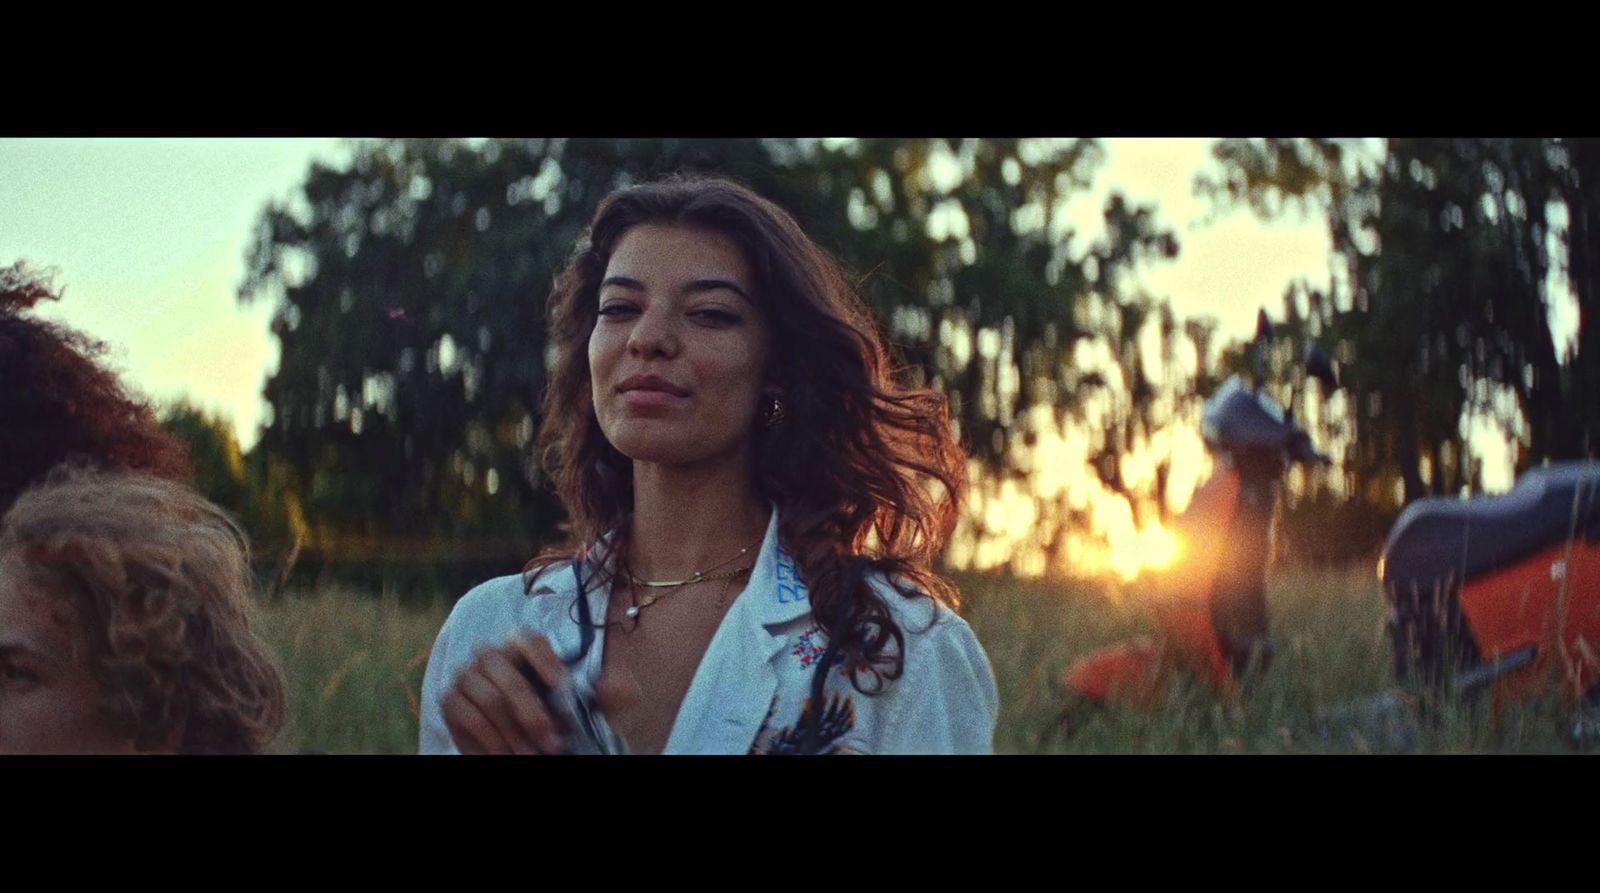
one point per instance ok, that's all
(161, 582)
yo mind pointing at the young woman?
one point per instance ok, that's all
(755, 505)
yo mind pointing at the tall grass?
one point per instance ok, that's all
(1319, 695)
(354, 663)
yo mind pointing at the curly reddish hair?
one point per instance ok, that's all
(58, 403)
(864, 469)
(160, 581)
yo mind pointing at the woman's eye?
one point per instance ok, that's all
(11, 674)
(716, 316)
(617, 308)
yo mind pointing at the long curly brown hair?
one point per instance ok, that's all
(864, 470)
(160, 580)
(58, 403)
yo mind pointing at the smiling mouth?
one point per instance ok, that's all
(650, 384)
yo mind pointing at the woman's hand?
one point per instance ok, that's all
(494, 706)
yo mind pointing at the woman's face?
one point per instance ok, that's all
(49, 698)
(679, 353)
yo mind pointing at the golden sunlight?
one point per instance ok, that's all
(1153, 548)
(1011, 524)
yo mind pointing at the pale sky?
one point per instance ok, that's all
(149, 237)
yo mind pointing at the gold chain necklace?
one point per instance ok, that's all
(634, 609)
(671, 586)
(697, 576)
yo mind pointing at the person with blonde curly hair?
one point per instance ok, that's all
(126, 623)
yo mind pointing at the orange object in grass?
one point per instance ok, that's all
(1517, 606)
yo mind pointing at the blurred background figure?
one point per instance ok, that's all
(126, 623)
(124, 600)
(59, 403)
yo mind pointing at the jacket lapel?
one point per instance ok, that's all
(734, 686)
(563, 630)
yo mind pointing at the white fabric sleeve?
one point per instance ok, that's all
(433, 734)
(489, 615)
(947, 701)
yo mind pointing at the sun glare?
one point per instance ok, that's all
(1014, 520)
(1153, 548)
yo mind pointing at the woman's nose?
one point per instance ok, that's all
(654, 334)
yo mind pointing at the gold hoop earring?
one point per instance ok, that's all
(775, 413)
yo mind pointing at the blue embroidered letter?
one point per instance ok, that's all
(790, 589)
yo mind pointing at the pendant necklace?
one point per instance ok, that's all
(667, 587)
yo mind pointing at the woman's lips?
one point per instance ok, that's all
(651, 383)
(647, 397)
(650, 390)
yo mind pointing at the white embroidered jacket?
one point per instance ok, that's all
(754, 682)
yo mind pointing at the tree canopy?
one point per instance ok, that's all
(1460, 256)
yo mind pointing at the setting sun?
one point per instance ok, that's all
(1153, 548)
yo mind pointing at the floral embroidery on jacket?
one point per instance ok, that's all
(807, 649)
(838, 718)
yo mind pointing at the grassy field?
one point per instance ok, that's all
(354, 663)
